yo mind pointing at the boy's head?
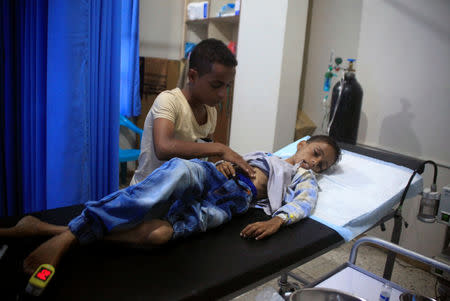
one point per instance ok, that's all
(208, 52)
(318, 153)
(211, 71)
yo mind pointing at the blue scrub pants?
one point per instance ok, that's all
(190, 194)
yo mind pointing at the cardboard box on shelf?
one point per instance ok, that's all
(304, 126)
(158, 75)
(173, 73)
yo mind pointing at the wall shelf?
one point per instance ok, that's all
(228, 19)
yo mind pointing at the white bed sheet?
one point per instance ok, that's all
(358, 191)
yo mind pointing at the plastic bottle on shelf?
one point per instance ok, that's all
(237, 7)
(226, 10)
(386, 291)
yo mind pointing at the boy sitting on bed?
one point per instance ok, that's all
(182, 197)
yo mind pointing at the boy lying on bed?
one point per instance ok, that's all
(182, 197)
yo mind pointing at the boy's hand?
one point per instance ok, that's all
(227, 169)
(233, 157)
(260, 230)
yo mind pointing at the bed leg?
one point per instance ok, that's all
(286, 287)
(395, 238)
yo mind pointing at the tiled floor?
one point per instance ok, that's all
(370, 259)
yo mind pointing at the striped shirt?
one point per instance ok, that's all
(292, 190)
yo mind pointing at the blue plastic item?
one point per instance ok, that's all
(188, 47)
(326, 84)
(227, 10)
(126, 155)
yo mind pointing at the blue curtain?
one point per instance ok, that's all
(59, 114)
(83, 104)
(130, 102)
(23, 93)
(33, 99)
(10, 127)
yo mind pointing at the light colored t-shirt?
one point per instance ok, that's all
(173, 106)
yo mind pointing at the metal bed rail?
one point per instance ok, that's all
(367, 291)
(398, 250)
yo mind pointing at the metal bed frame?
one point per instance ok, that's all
(351, 263)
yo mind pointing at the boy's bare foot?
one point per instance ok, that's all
(49, 252)
(31, 226)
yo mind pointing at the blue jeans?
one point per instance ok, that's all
(192, 195)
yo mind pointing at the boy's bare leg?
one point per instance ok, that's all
(32, 226)
(154, 232)
(49, 252)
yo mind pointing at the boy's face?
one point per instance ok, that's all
(211, 88)
(316, 155)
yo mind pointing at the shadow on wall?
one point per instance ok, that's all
(397, 127)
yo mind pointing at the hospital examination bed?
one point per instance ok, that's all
(208, 266)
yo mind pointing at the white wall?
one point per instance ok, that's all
(402, 49)
(161, 28)
(291, 68)
(404, 68)
(269, 59)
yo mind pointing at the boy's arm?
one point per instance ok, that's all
(260, 230)
(226, 168)
(297, 207)
(303, 201)
(167, 147)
